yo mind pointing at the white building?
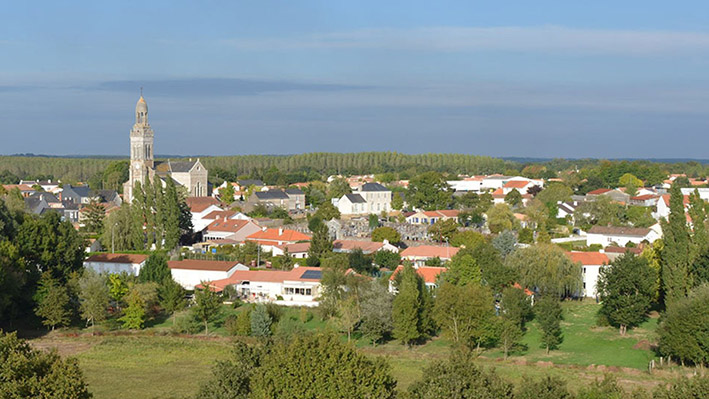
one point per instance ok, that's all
(591, 264)
(191, 272)
(116, 263)
(367, 247)
(368, 198)
(621, 236)
(200, 207)
(297, 287)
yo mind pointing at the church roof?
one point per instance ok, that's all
(174, 166)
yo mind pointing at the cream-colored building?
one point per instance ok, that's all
(191, 174)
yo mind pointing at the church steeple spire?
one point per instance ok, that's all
(141, 110)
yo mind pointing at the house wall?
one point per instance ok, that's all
(189, 278)
(621, 240)
(115, 268)
(590, 279)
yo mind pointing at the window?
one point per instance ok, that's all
(584, 270)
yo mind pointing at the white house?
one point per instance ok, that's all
(428, 273)
(191, 272)
(368, 198)
(297, 250)
(420, 254)
(201, 207)
(431, 217)
(232, 230)
(367, 247)
(116, 263)
(663, 206)
(297, 287)
(591, 264)
(606, 235)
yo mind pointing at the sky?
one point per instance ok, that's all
(602, 79)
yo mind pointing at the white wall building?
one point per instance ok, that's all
(621, 236)
(116, 263)
(191, 272)
(591, 264)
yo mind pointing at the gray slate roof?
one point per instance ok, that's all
(272, 194)
(295, 191)
(373, 187)
(355, 198)
(251, 182)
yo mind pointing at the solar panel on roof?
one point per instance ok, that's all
(312, 274)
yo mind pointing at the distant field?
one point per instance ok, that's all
(155, 366)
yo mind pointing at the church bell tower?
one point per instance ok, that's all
(141, 149)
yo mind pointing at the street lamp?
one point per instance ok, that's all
(112, 237)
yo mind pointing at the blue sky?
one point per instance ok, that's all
(514, 78)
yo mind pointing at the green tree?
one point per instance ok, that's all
(510, 335)
(207, 306)
(677, 250)
(695, 388)
(387, 259)
(602, 211)
(226, 194)
(134, 315)
(243, 323)
(463, 269)
(338, 187)
(547, 387)
(397, 201)
(348, 316)
(408, 308)
(386, 233)
(95, 214)
(554, 193)
(548, 313)
(626, 288)
(443, 230)
(376, 306)
(684, 330)
(631, 183)
(515, 306)
(501, 218)
(260, 322)
(171, 215)
(460, 377)
(505, 243)
(117, 287)
(172, 297)
(327, 211)
(513, 199)
(429, 191)
(546, 268)
(231, 378)
(320, 245)
(465, 314)
(94, 297)
(32, 373)
(53, 304)
(155, 269)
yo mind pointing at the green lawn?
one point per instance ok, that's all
(151, 365)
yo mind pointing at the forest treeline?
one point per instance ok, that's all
(110, 173)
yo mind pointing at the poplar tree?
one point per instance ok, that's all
(408, 308)
(677, 251)
(138, 217)
(94, 297)
(549, 314)
(171, 217)
(53, 305)
(159, 211)
(149, 214)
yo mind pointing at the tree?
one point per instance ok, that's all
(243, 322)
(505, 243)
(94, 297)
(53, 304)
(465, 314)
(338, 187)
(397, 201)
(684, 330)
(227, 193)
(510, 335)
(640, 216)
(155, 269)
(626, 288)
(501, 218)
(373, 221)
(429, 191)
(554, 193)
(408, 308)
(207, 306)
(360, 262)
(515, 306)
(171, 215)
(677, 251)
(460, 377)
(117, 287)
(548, 387)
(386, 233)
(260, 322)
(387, 259)
(172, 297)
(696, 387)
(333, 370)
(443, 230)
(513, 199)
(320, 245)
(231, 378)
(548, 313)
(631, 183)
(602, 211)
(348, 316)
(327, 211)
(463, 269)
(546, 267)
(376, 306)
(95, 214)
(134, 315)
(34, 373)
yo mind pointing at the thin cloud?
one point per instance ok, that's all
(466, 39)
(217, 86)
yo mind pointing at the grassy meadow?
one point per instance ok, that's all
(154, 364)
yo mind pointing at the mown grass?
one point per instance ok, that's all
(160, 366)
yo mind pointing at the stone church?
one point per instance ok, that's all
(191, 175)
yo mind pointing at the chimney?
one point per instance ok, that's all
(280, 231)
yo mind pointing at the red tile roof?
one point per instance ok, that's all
(643, 197)
(588, 258)
(278, 235)
(430, 251)
(198, 204)
(599, 191)
(351, 245)
(516, 184)
(428, 273)
(229, 225)
(666, 199)
(197, 264)
(298, 247)
(118, 258)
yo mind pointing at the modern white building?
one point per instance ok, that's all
(192, 272)
(116, 263)
(621, 236)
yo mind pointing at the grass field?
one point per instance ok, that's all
(150, 365)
